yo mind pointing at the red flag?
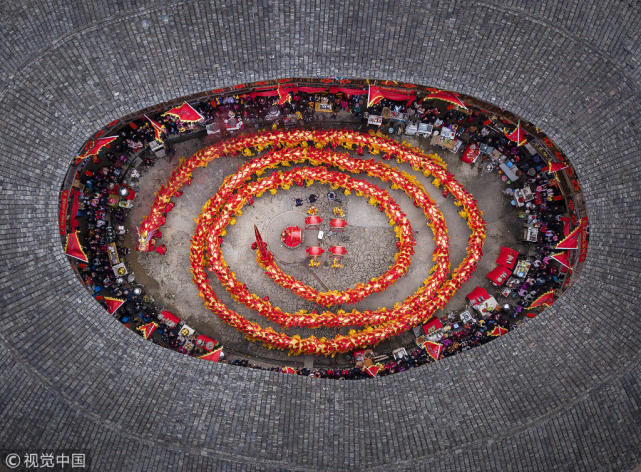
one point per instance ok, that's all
(262, 246)
(158, 129)
(213, 356)
(73, 247)
(562, 258)
(556, 166)
(448, 97)
(433, 349)
(283, 94)
(94, 146)
(185, 113)
(571, 241)
(373, 370)
(544, 300)
(497, 331)
(147, 329)
(113, 304)
(518, 135)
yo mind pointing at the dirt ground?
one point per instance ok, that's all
(368, 238)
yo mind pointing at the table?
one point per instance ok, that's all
(486, 306)
(448, 133)
(508, 171)
(376, 120)
(530, 234)
(450, 144)
(112, 254)
(522, 268)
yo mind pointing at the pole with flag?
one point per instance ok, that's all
(159, 129)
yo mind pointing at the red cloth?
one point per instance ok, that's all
(431, 325)
(348, 91)
(376, 94)
(206, 342)
(507, 257)
(478, 295)
(338, 250)
(313, 220)
(74, 210)
(499, 275)
(337, 223)
(169, 318)
(213, 356)
(315, 250)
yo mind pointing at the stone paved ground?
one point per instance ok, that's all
(368, 238)
(560, 393)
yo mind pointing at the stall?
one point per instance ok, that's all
(498, 275)
(507, 257)
(522, 268)
(478, 295)
(471, 154)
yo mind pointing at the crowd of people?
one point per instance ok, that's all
(102, 224)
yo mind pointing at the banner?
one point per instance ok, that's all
(348, 91)
(376, 94)
(75, 204)
(62, 216)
